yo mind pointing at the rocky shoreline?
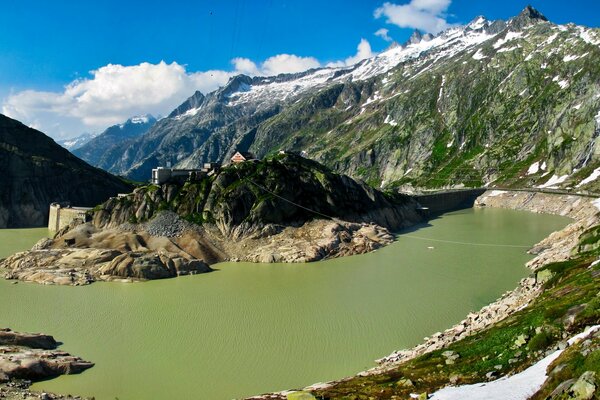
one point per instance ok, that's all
(556, 247)
(26, 357)
(85, 254)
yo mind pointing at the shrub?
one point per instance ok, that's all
(540, 341)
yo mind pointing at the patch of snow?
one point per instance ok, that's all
(441, 88)
(523, 92)
(515, 387)
(504, 49)
(568, 58)
(577, 338)
(544, 66)
(479, 55)
(593, 176)
(450, 143)
(390, 121)
(578, 106)
(495, 193)
(543, 166)
(550, 39)
(444, 45)
(479, 23)
(139, 119)
(533, 168)
(189, 113)
(553, 182)
(562, 83)
(509, 36)
(586, 36)
(372, 99)
(408, 171)
(596, 203)
(273, 90)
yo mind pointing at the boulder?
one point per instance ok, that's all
(33, 340)
(584, 388)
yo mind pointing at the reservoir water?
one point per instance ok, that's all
(251, 328)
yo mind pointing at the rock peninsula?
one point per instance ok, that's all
(282, 209)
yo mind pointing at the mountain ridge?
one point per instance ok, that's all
(374, 103)
(96, 150)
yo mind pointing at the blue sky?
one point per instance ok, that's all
(46, 46)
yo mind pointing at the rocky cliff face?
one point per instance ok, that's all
(36, 172)
(242, 199)
(494, 102)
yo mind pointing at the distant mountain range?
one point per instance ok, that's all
(77, 141)
(36, 172)
(97, 150)
(510, 103)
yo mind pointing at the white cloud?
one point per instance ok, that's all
(433, 6)
(115, 92)
(245, 66)
(287, 63)
(426, 15)
(363, 51)
(112, 94)
(384, 34)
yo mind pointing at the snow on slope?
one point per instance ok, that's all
(446, 44)
(516, 387)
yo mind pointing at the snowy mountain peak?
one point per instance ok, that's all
(193, 102)
(477, 23)
(415, 38)
(76, 142)
(141, 119)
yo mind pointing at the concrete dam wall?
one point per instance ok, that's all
(441, 202)
(61, 216)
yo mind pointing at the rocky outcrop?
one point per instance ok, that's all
(84, 266)
(313, 241)
(33, 340)
(32, 357)
(85, 255)
(36, 172)
(286, 190)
